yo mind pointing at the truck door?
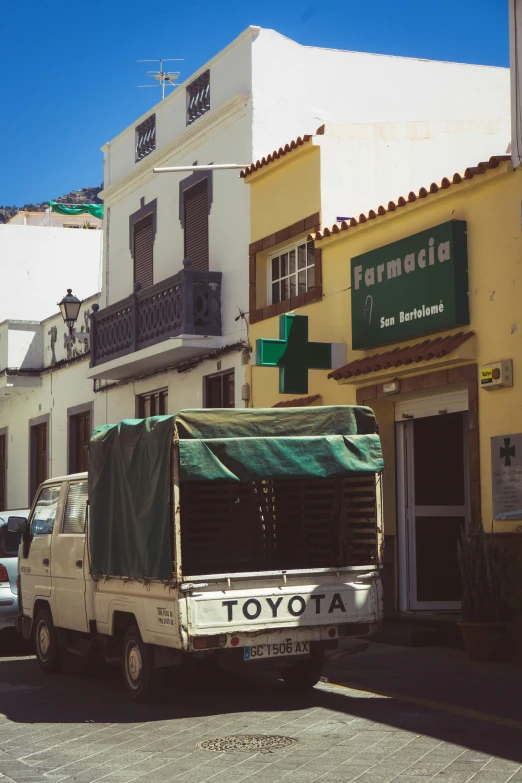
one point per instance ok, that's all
(69, 561)
(35, 568)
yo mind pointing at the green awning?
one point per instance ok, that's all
(96, 210)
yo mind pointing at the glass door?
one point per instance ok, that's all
(433, 508)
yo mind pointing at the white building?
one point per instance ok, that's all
(38, 264)
(46, 403)
(182, 336)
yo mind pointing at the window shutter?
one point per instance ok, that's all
(74, 519)
(196, 225)
(143, 252)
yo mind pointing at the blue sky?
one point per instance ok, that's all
(69, 70)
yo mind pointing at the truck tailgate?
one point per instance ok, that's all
(349, 599)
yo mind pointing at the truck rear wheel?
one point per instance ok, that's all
(139, 670)
(303, 674)
(46, 643)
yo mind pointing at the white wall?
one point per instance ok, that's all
(37, 265)
(307, 86)
(368, 164)
(185, 390)
(60, 390)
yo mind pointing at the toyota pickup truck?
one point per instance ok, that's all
(249, 536)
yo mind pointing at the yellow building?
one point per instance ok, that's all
(413, 309)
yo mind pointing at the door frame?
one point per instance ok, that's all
(407, 512)
(439, 379)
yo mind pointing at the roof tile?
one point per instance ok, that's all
(299, 402)
(276, 154)
(397, 357)
(402, 201)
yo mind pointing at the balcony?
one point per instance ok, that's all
(173, 321)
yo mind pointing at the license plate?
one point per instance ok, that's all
(276, 650)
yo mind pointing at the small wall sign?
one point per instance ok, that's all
(506, 474)
(411, 287)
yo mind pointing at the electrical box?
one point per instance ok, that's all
(497, 375)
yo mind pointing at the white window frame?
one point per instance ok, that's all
(308, 266)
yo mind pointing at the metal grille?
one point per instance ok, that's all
(198, 97)
(196, 226)
(244, 743)
(145, 137)
(144, 252)
(278, 524)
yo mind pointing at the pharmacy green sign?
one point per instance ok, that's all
(411, 287)
(294, 354)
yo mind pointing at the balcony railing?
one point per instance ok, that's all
(187, 303)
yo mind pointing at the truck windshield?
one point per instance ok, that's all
(231, 527)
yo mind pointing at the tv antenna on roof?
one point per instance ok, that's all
(162, 77)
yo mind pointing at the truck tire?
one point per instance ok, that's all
(303, 674)
(46, 643)
(139, 670)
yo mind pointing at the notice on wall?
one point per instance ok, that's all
(506, 474)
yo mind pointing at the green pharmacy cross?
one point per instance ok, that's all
(507, 452)
(293, 354)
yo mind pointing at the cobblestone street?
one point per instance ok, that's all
(84, 729)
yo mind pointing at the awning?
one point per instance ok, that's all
(402, 357)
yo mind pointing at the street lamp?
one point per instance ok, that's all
(70, 308)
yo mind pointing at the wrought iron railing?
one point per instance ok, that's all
(187, 303)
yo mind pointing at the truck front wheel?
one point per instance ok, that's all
(46, 643)
(303, 674)
(139, 670)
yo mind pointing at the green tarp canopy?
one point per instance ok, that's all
(96, 210)
(254, 444)
(130, 469)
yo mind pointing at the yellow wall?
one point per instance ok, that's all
(490, 203)
(285, 191)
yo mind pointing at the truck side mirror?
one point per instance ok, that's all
(17, 525)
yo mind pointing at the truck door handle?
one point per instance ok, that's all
(45, 561)
(79, 563)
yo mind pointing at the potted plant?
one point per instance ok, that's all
(481, 622)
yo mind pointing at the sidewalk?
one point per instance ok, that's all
(444, 677)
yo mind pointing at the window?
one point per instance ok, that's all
(198, 97)
(44, 514)
(3, 472)
(153, 404)
(143, 251)
(196, 225)
(291, 272)
(74, 518)
(145, 137)
(220, 390)
(80, 428)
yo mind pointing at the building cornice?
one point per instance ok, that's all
(193, 135)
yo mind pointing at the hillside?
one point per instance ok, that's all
(83, 196)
